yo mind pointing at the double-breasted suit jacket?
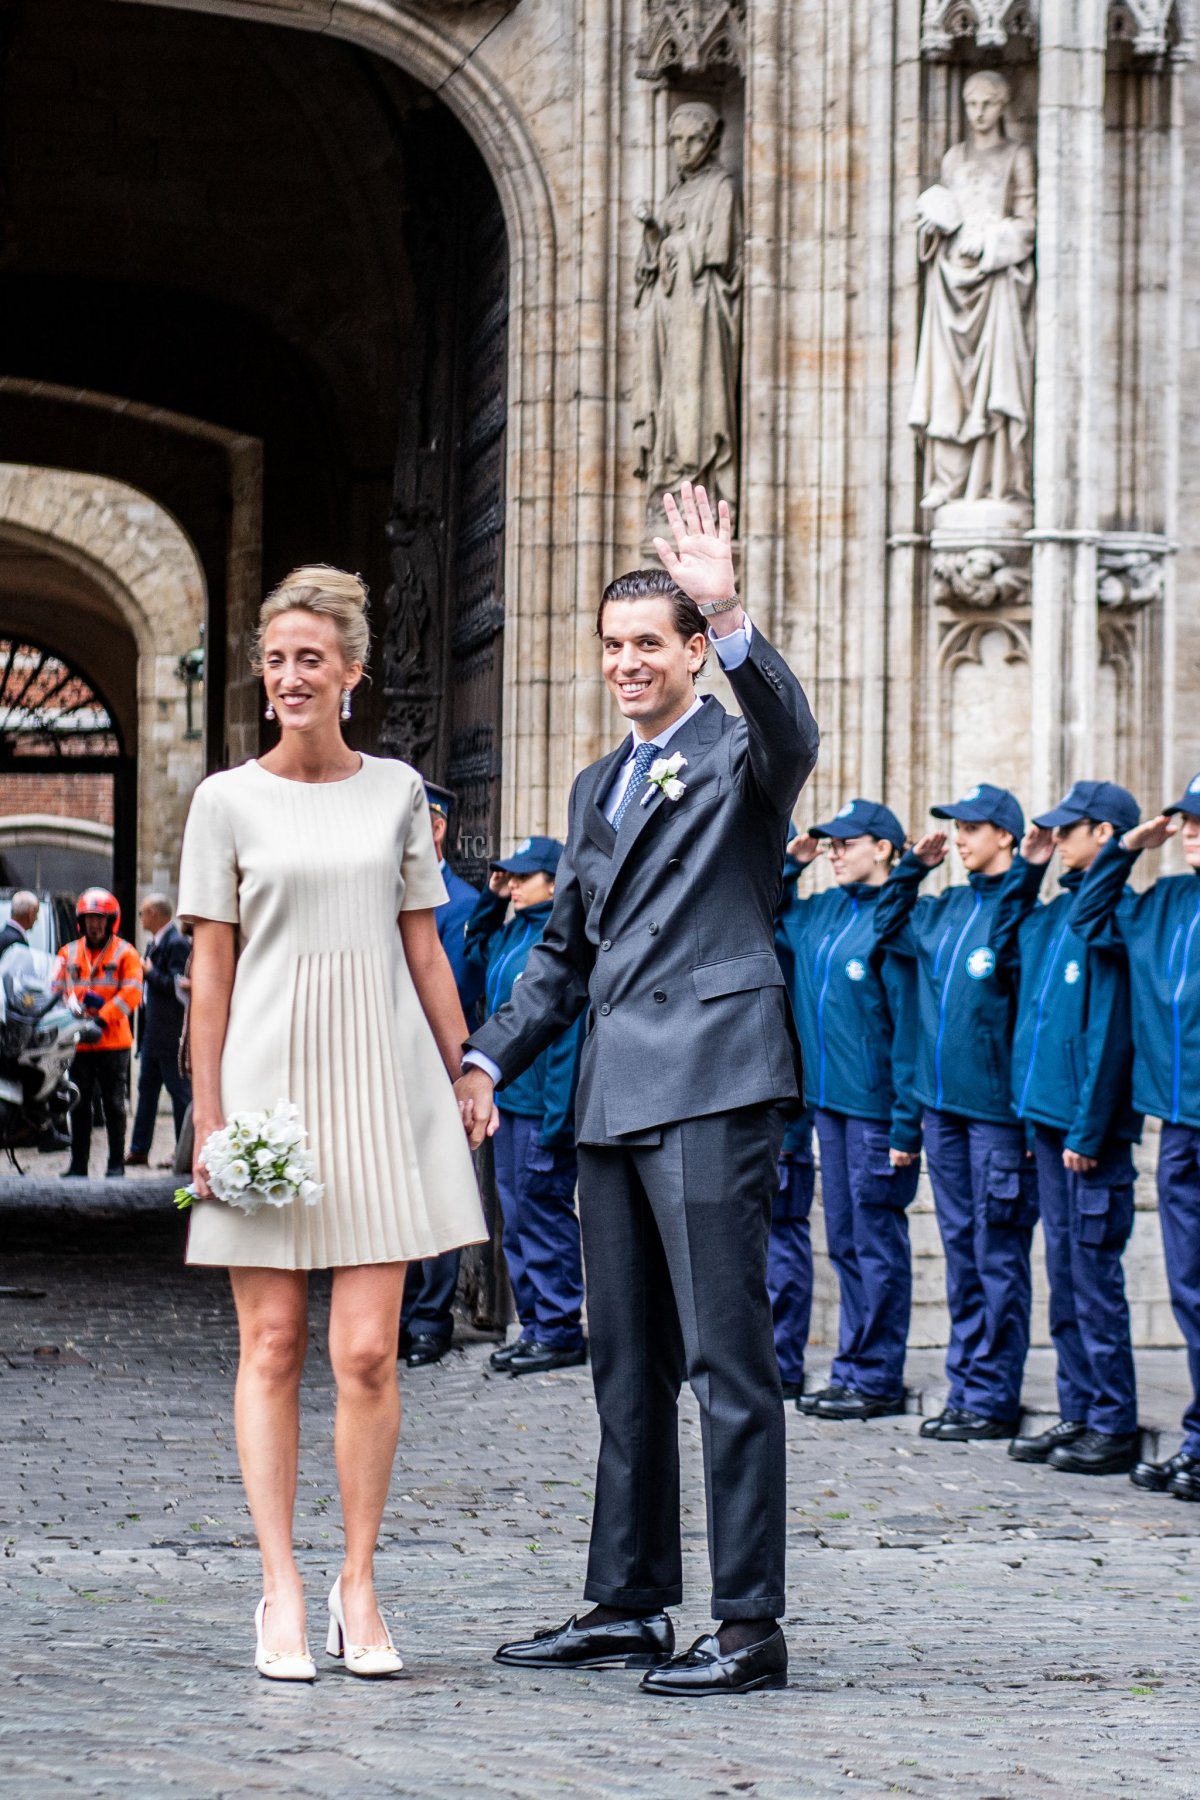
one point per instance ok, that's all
(664, 929)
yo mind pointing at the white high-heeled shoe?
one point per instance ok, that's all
(280, 1665)
(360, 1659)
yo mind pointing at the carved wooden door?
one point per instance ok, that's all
(473, 674)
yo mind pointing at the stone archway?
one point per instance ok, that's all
(139, 576)
(439, 53)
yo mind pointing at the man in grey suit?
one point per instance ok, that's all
(663, 927)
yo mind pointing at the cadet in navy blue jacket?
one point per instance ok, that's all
(1071, 1075)
(1161, 930)
(855, 1012)
(984, 1185)
(536, 1168)
(427, 1320)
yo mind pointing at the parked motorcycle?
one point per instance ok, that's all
(39, 1035)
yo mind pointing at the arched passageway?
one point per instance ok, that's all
(262, 277)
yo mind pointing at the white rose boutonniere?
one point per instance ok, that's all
(664, 774)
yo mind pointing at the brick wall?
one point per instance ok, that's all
(66, 796)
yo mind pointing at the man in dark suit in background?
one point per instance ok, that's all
(164, 962)
(427, 1321)
(663, 926)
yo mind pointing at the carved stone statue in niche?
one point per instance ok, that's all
(972, 404)
(689, 299)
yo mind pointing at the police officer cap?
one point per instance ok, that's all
(440, 799)
(863, 818)
(1102, 801)
(531, 855)
(1188, 802)
(985, 805)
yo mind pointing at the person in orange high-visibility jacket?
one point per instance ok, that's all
(103, 975)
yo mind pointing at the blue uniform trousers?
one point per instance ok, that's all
(866, 1230)
(541, 1232)
(985, 1193)
(1086, 1222)
(429, 1291)
(1179, 1216)
(790, 1265)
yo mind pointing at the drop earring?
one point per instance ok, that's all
(345, 703)
(270, 712)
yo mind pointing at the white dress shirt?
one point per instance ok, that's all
(732, 651)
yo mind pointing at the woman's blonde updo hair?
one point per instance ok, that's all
(332, 594)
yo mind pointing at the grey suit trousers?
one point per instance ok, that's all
(675, 1246)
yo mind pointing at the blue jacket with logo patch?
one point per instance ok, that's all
(545, 1091)
(966, 1014)
(1161, 932)
(1073, 1045)
(854, 1006)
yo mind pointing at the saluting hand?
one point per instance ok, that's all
(1151, 834)
(931, 849)
(701, 558)
(1037, 846)
(805, 848)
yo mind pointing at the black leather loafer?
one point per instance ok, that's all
(539, 1359)
(932, 1428)
(703, 1670)
(975, 1425)
(500, 1359)
(424, 1349)
(625, 1644)
(1158, 1477)
(1098, 1453)
(1036, 1448)
(1185, 1482)
(856, 1405)
(808, 1403)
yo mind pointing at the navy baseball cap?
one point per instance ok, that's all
(1102, 801)
(986, 805)
(862, 818)
(1189, 802)
(532, 854)
(440, 799)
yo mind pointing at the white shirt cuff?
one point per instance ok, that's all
(475, 1059)
(732, 649)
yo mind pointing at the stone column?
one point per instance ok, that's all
(1070, 154)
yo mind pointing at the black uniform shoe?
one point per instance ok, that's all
(854, 1404)
(808, 1403)
(1185, 1483)
(1158, 1477)
(423, 1348)
(1098, 1453)
(703, 1669)
(115, 1172)
(500, 1359)
(74, 1175)
(538, 1359)
(1037, 1448)
(625, 1644)
(975, 1425)
(932, 1428)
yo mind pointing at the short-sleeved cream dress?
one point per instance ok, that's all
(324, 1013)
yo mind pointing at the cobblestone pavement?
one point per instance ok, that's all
(960, 1625)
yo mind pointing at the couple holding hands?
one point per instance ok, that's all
(310, 879)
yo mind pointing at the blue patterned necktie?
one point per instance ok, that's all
(643, 756)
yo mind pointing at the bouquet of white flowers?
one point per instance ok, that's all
(259, 1159)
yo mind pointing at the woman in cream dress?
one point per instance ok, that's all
(310, 878)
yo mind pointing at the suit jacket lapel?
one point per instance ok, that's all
(694, 741)
(594, 821)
